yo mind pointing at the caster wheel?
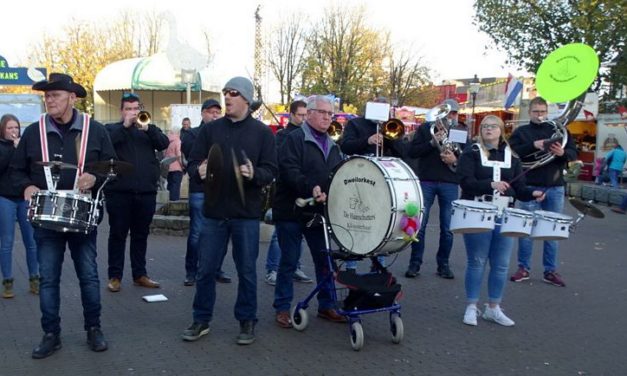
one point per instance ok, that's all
(396, 326)
(300, 319)
(357, 336)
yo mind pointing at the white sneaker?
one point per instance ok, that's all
(300, 276)
(271, 278)
(496, 314)
(470, 316)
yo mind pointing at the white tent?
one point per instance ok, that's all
(156, 82)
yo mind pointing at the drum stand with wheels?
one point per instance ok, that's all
(300, 318)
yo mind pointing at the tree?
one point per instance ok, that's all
(345, 57)
(528, 30)
(286, 56)
(406, 77)
(83, 49)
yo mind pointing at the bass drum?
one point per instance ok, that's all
(366, 203)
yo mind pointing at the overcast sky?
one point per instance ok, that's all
(440, 31)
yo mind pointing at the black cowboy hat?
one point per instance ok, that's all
(60, 81)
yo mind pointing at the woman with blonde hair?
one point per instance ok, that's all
(490, 172)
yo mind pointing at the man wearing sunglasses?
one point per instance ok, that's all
(248, 155)
(131, 199)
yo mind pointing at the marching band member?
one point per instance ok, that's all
(549, 178)
(56, 136)
(437, 178)
(307, 157)
(132, 199)
(249, 152)
(485, 169)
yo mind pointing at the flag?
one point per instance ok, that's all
(513, 87)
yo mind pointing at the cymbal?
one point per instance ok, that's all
(58, 164)
(168, 161)
(110, 166)
(586, 208)
(213, 180)
(238, 178)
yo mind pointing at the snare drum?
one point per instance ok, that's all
(469, 217)
(63, 211)
(550, 225)
(516, 222)
(366, 202)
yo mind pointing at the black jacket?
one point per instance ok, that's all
(302, 166)
(551, 174)
(26, 171)
(7, 188)
(138, 148)
(282, 134)
(257, 141)
(476, 179)
(187, 144)
(430, 166)
(355, 139)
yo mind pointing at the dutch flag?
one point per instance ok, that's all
(513, 87)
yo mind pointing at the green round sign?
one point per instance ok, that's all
(567, 72)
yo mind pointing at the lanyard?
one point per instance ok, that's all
(82, 151)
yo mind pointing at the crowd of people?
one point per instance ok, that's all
(229, 158)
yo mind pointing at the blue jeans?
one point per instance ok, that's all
(129, 212)
(481, 248)
(196, 223)
(553, 201)
(10, 210)
(614, 174)
(274, 254)
(447, 193)
(174, 184)
(290, 234)
(244, 233)
(50, 252)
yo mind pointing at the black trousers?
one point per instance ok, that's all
(129, 212)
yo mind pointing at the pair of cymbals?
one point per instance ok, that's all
(213, 180)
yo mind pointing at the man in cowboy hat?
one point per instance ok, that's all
(62, 128)
(249, 162)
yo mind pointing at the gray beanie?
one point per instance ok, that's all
(453, 103)
(243, 85)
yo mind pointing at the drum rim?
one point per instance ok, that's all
(65, 194)
(520, 213)
(489, 207)
(560, 217)
(386, 177)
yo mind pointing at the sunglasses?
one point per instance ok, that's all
(232, 93)
(130, 96)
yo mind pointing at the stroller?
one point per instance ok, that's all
(367, 215)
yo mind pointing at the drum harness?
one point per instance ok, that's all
(50, 182)
(501, 202)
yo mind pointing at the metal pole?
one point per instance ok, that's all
(189, 92)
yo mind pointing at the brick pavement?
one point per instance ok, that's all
(577, 330)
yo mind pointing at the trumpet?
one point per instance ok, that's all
(335, 130)
(143, 118)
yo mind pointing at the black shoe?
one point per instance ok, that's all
(222, 277)
(246, 332)
(96, 340)
(49, 344)
(189, 281)
(412, 273)
(195, 331)
(445, 272)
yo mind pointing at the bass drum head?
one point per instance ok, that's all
(359, 206)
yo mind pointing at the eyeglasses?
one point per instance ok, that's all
(232, 93)
(323, 112)
(489, 126)
(130, 96)
(539, 111)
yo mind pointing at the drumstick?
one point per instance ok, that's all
(302, 202)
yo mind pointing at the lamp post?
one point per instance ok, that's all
(187, 77)
(473, 89)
